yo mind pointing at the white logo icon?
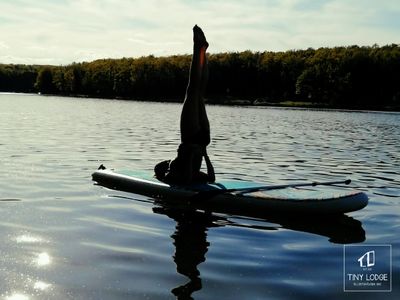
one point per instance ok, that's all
(367, 260)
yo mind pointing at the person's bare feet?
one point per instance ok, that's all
(199, 38)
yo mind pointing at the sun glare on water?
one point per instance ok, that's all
(43, 259)
(17, 297)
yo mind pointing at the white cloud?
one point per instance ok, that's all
(60, 32)
(4, 45)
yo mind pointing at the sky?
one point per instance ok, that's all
(60, 32)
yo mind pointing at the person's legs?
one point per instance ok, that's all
(192, 115)
(203, 119)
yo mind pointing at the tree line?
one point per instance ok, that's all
(343, 77)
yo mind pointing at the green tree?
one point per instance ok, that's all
(44, 82)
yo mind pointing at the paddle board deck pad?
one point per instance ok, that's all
(312, 200)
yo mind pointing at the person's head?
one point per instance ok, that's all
(161, 169)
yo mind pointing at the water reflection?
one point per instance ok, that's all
(40, 285)
(22, 285)
(340, 229)
(190, 241)
(26, 238)
(191, 245)
(43, 259)
(17, 296)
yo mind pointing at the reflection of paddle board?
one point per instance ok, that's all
(313, 200)
(340, 229)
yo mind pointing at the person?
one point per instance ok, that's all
(194, 125)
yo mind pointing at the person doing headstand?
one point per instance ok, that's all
(194, 125)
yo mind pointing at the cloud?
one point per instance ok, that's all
(65, 31)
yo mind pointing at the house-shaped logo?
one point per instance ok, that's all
(367, 260)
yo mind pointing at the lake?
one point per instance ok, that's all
(65, 238)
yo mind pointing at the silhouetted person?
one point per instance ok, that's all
(194, 125)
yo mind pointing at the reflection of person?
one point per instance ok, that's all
(190, 240)
(194, 125)
(191, 246)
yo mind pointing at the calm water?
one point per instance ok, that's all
(65, 238)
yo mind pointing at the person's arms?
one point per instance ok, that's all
(210, 168)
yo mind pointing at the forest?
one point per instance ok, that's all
(351, 77)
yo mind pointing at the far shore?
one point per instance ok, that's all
(228, 101)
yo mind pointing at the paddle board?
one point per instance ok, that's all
(311, 200)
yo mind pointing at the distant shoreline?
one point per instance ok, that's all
(230, 102)
(306, 105)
